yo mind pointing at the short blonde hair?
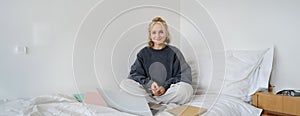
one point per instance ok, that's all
(158, 20)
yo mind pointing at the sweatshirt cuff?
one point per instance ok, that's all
(148, 85)
(166, 86)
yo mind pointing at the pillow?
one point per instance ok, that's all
(247, 72)
(201, 70)
(262, 74)
(194, 74)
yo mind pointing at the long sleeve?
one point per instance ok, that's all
(181, 71)
(138, 72)
(166, 66)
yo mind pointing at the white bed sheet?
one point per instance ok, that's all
(220, 105)
(64, 105)
(58, 105)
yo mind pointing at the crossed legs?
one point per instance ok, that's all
(178, 93)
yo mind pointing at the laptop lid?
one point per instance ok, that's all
(123, 101)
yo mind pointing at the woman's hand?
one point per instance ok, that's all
(157, 90)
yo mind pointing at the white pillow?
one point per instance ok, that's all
(194, 74)
(247, 72)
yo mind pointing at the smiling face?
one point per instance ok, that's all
(158, 35)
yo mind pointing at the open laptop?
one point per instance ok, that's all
(125, 102)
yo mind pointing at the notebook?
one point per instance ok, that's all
(94, 98)
(79, 97)
(187, 110)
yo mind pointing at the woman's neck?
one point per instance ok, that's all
(159, 47)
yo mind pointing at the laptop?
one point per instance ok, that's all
(125, 102)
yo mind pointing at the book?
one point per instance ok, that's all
(94, 98)
(79, 97)
(187, 110)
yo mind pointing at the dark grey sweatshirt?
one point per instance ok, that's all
(165, 67)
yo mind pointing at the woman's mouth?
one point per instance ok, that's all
(158, 39)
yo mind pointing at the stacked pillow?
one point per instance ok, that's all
(246, 71)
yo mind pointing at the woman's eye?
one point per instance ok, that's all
(161, 32)
(153, 32)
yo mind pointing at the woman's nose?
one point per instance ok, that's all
(157, 35)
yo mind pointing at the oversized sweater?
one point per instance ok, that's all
(165, 67)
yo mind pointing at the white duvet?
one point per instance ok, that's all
(64, 105)
(221, 105)
(225, 105)
(54, 105)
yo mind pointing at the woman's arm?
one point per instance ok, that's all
(181, 71)
(138, 72)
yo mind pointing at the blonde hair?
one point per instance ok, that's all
(158, 20)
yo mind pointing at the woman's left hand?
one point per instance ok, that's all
(159, 91)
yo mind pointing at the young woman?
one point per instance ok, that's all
(160, 69)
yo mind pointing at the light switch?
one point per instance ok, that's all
(22, 50)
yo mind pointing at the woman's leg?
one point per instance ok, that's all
(179, 93)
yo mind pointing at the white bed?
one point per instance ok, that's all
(225, 105)
(54, 105)
(246, 72)
(220, 105)
(64, 105)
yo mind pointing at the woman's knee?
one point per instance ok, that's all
(183, 92)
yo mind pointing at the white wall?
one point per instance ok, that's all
(202, 46)
(107, 44)
(255, 24)
(49, 28)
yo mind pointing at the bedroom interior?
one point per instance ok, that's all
(73, 47)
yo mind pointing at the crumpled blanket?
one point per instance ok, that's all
(54, 105)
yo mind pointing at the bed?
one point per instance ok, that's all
(65, 105)
(247, 71)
